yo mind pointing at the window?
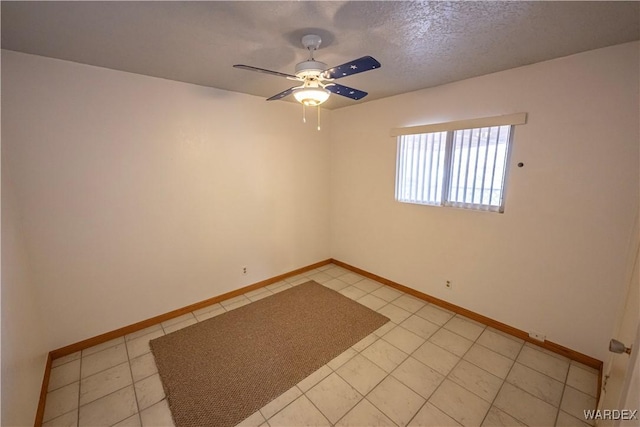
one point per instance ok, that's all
(463, 166)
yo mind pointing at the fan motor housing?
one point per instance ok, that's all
(310, 68)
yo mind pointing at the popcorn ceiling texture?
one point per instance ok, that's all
(420, 44)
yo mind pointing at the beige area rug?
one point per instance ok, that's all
(220, 371)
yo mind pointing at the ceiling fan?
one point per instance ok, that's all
(317, 80)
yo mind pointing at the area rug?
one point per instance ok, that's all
(220, 371)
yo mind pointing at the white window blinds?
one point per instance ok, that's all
(460, 167)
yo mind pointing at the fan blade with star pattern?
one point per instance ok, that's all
(356, 66)
(347, 91)
(282, 94)
(262, 70)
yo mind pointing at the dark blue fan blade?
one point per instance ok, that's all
(349, 92)
(356, 66)
(262, 70)
(281, 94)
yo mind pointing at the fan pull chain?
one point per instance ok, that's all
(318, 107)
(304, 116)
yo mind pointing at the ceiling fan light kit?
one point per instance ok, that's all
(310, 96)
(317, 79)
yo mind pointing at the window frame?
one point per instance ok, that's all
(451, 128)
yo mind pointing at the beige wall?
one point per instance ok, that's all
(554, 262)
(24, 344)
(141, 195)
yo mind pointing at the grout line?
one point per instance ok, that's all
(79, 391)
(133, 382)
(502, 385)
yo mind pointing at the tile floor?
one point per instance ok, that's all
(427, 367)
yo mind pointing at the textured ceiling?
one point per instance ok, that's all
(420, 44)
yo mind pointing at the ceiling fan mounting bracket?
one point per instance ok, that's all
(310, 68)
(311, 42)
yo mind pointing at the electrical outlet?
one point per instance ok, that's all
(537, 336)
(448, 284)
(244, 270)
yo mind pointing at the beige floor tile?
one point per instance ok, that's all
(488, 360)
(459, 403)
(158, 415)
(384, 355)
(384, 329)
(280, 402)
(143, 332)
(109, 409)
(435, 314)
(180, 325)
(320, 277)
(334, 397)
(395, 313)
(353, 292)
(276, 285)
(104, 359)
(566, 420)
(65, 359)
(100, 347)
(336, 271)
(104, 383)
(420, 326)
(396, 400)
(575, 402)
(506, 335)
(149, 391)
(64, 375)
(430, 416)
(469, 330)
(368, 285)
(132, 421)
(314, 378)
(342, 358)
(139, 346)
(361, 373)
(583, 380)
(233, 301)
(336, 284)
(387, 293)
(70, 419)
(143, 366)
(476, 380)
(418, 377)
(451, 342)
(215, 312)
(300, 413)
(351, 278)
(253, 298)
(500, 344)
(436, 357)
(179, 319)
(403, 339)
(365, 414)
(409, 303)
(524, 407)
(544, 362)
(217, 306)
(237, 304)
(497, 418)
(365, 342)
(371, 301)
(298, 278)
(281, 288)
(254, 420)
(540, 385)
(61, 401)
